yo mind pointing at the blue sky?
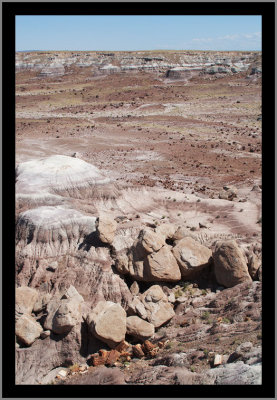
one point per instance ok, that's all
(138, 32)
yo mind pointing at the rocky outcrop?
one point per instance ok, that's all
(107, 322)
(185, 64)
(150, 259)
(229, 264)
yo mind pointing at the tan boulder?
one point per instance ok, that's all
(139, 329)
(68, 314)
(137, 307)
(122, 263)
(229, 264)
(25, 299)
(191, 256)
(27, 329)
(107, 322)
(106, 228)
(162, 266)
(63, 313)
(159, 310)
(151, 241)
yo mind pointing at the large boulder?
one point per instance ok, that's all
(68, 315)
(63, 313)
(107, 322)
(150, 259)
(25, 299)
(162, 266)
(106, 228)
(159, 310)
(139, 329)
(191, 257)
(27, 329)
(229, 264)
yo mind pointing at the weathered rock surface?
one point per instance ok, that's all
(151, 259)
(191, 257)
(162, 266)
(51, 231)
(253, 265)
(25, 299)
(67, 316)
(27, 329)
(140, 329)
(33, 363)
(159, 310)
(107, 322)
(106, 228)
(229, 264)
(234, 374)
(64, 313)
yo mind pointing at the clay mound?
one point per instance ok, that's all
(49, 231)
(64, 176)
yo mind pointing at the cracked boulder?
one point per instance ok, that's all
(191, 257)
(151, 259)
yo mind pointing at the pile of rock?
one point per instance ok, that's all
(124, 352)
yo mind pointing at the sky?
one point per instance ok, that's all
(138, 32)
